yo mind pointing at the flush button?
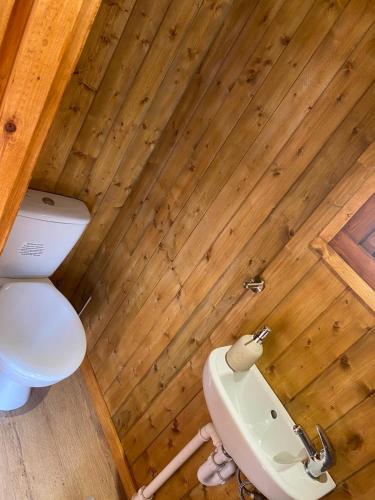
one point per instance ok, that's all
(48, 201)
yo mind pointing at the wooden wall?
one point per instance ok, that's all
(212, 141)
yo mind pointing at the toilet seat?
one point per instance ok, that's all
(42, 339)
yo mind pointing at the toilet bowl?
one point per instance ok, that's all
(42, 340)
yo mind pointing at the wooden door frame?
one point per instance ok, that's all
(332, 258)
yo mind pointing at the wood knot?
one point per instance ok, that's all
(336, 325)
(344, 362)
(10, 127)
(348, 67)
(271, 369)
(355, 441)
(251, 75)
(151, 423)
(175, 427)
(152, 471)
(285, 40)
(173, 33)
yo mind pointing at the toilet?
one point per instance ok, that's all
(42, 339)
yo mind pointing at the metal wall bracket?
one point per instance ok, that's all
(256, 284)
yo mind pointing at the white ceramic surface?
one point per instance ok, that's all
(42, 339)
(265, 448)
(46, 228)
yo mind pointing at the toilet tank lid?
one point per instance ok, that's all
(53, 208)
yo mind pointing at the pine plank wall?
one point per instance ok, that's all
(213, 140)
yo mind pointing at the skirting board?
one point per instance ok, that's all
(109, 430)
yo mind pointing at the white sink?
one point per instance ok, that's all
(257, 432)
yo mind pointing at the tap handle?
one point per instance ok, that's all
(327, 452)
(309, 447)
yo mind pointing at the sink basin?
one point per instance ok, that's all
(257, 432)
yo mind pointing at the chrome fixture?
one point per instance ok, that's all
(260, 334)
(255, 284)
(318, 461)
(247, 489)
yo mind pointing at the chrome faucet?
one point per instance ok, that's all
(317, 461)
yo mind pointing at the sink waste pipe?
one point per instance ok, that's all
(216, 470)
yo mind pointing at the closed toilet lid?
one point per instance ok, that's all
(41, 335)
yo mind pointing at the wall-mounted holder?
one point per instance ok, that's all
(256, 284)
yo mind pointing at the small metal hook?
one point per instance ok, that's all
(255, 284)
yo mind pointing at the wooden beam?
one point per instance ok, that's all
(51, 42)
(12, 26)
(356, 256)
(5, 13)
(345, 271)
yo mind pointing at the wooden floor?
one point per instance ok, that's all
(53, 449)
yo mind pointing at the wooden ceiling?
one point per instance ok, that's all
(213, 140)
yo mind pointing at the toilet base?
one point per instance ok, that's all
(12, 394)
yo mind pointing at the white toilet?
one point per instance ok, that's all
(42, 340)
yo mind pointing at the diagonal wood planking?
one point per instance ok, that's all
(178, 126)
(224, 162)
(210, 267)
(102, 40)
(258, 127)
